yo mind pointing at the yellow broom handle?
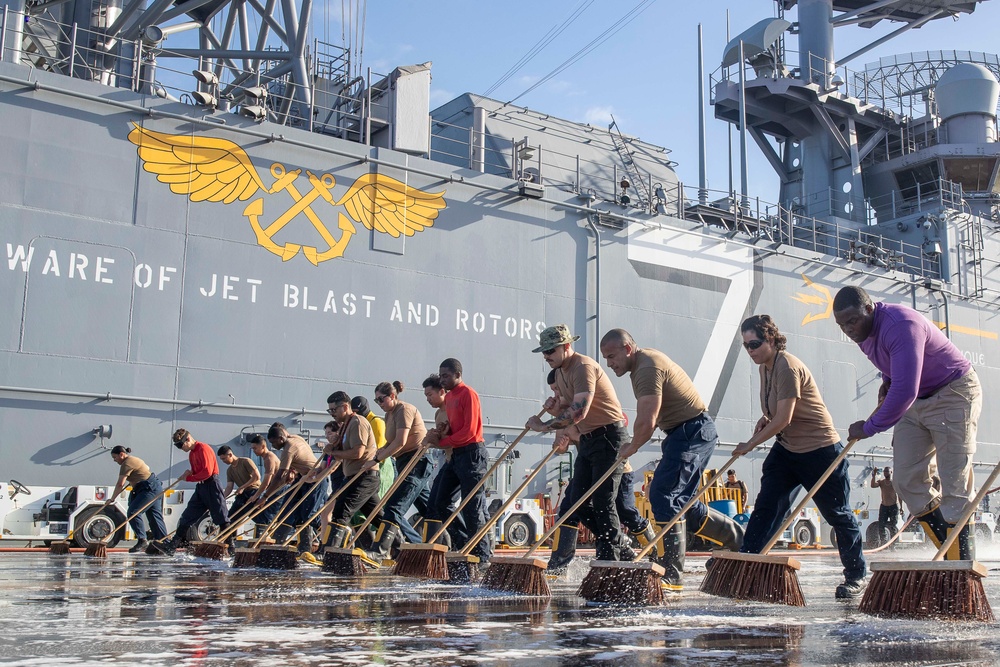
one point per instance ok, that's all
(812, 492)
(579, 503)
(471, 544)
(418, 454)
(251, 514)
(665, 528)
(294, 487)
(326, 473)
(327, 505)
(970, 509)
(469, 496)
(144, 507)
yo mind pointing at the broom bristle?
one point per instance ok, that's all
(953, 594)
(278, 558)
(343, 562)
(761, 579)
(210, 550)
(461, 569)
(246, 558)
(610, 582)
(427, 561)
(517, 575)
(96, 550)
(59, 548)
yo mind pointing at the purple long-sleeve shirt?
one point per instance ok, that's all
(913, 355)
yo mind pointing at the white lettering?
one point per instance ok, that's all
(496, 322)
(227, 288)
(305, 300)
(975, 358)
(51, 264)
(397, 312)
(100, 270)
(210, 292)
(331, 302)
(526, 329)
(164, 278)
(78, 262)
(253, 282)
(432, 321)
(19, 256)
(539, 327)
(413, 314)
(350, 304)
(368, 304)
(510, 327)
(462, 320)
(143, 282)
(478, 322)
(291, 296)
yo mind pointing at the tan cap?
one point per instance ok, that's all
(553, 337)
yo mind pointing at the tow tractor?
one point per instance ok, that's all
(523, 522)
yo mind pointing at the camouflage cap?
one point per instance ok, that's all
(553, 337)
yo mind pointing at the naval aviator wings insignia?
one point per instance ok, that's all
(217, 170)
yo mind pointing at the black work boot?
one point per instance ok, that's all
(721, 531)
(337, 536)
(937, 529)
(165, 547)
(644, 537)
(563, 550)
(669, 554)
(282, 533)
(306, 538)
(139, 546)
(431, 527)
(384, 539)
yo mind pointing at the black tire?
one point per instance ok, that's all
(873, 536)
(95, 525)
(519, 531)
(203, 531)
(804, 534)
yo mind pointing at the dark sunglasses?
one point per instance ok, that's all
(752, 344)
(379, 399)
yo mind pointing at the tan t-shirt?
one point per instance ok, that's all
(134, 470)
(404, 416)
(889, 496)
(811, 426)
(241, 472)
(357, 434)
(297, 455)
(656, 374)
(581, 374)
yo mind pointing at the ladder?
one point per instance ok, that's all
(621, 146)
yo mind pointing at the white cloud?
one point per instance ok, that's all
(599, 115)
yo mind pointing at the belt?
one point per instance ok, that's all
(210, 478)
(471, 444)
(603, 430)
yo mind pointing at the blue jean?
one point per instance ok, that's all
(624, 503)
(597, 451)
(782, 474)
(686, 451)
(314, 496)
(142, 493)
(407, 492)
(267, 516)
(239, 506)
(208, 496)
(468, 465)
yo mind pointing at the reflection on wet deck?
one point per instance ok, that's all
(182, 611)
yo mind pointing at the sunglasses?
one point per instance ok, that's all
(379, 399)
(752, 344)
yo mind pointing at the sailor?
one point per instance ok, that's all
(387, 472)
(242, 478)
(733, 482)
(806, 444)
(208, 495)
(666, 398)
(435, 394)
(930, 396)
(888, 509)
(405, 432)
(466, 466)
(355, 448)
(587, 399)
(297, 460)
(145, 486)
(271, 463)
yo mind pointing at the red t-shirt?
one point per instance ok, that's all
(465, 417)
(203, 464)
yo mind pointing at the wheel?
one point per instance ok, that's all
(833, 539)
(873, 536)
(804, 534)
(19, 488)
(203, 531)
(983, 535)
(518, 531)
(95, 525)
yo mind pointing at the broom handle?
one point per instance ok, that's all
(144, 507)
(326, 473)
(250, 515)
(812, 492)
(418, 454)
(327, 505)
(970, 509)
(294, 487)
(469, 496)
(471, 544)
(579, 503)
(665, 528)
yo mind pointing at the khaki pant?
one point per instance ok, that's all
(939, 432)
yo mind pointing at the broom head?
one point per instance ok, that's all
(59, 548)
(278, 557)
(97, 550)
(517, 574)
(211, 550)
(623, 583)
(246, 557)
(344, 562)
(422, 561)
(943, 589)
(461, 568)
(754, 577)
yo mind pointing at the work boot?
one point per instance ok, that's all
(937, 529)
(645, 536)
(851, 589)
(306, 540)
(166, 547)
(139, 546)
(721, 531)
(563, 550)
(431, 527)
(337, 536)
(669, 554)
(384, 539)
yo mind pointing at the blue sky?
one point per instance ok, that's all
(645, 74)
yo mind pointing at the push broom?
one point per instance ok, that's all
(349, 561)
(638, 582)
(951, 589)
(458, 568)
(216, 549)
(99, 549)
(760, 577)
(428, 560)
(247, 557)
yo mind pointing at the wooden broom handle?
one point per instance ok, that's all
(294, 487)
(144, 507)
(471, 544)
(812, 492)
(326, 473)
(970, 509)
(665, 528)
(469, 496)
(327, 505)
(418, 454)
(250, 515)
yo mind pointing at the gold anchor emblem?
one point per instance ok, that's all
(824, 299)
(218, 170)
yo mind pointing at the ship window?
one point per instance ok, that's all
(973, 174)
(925, 175)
